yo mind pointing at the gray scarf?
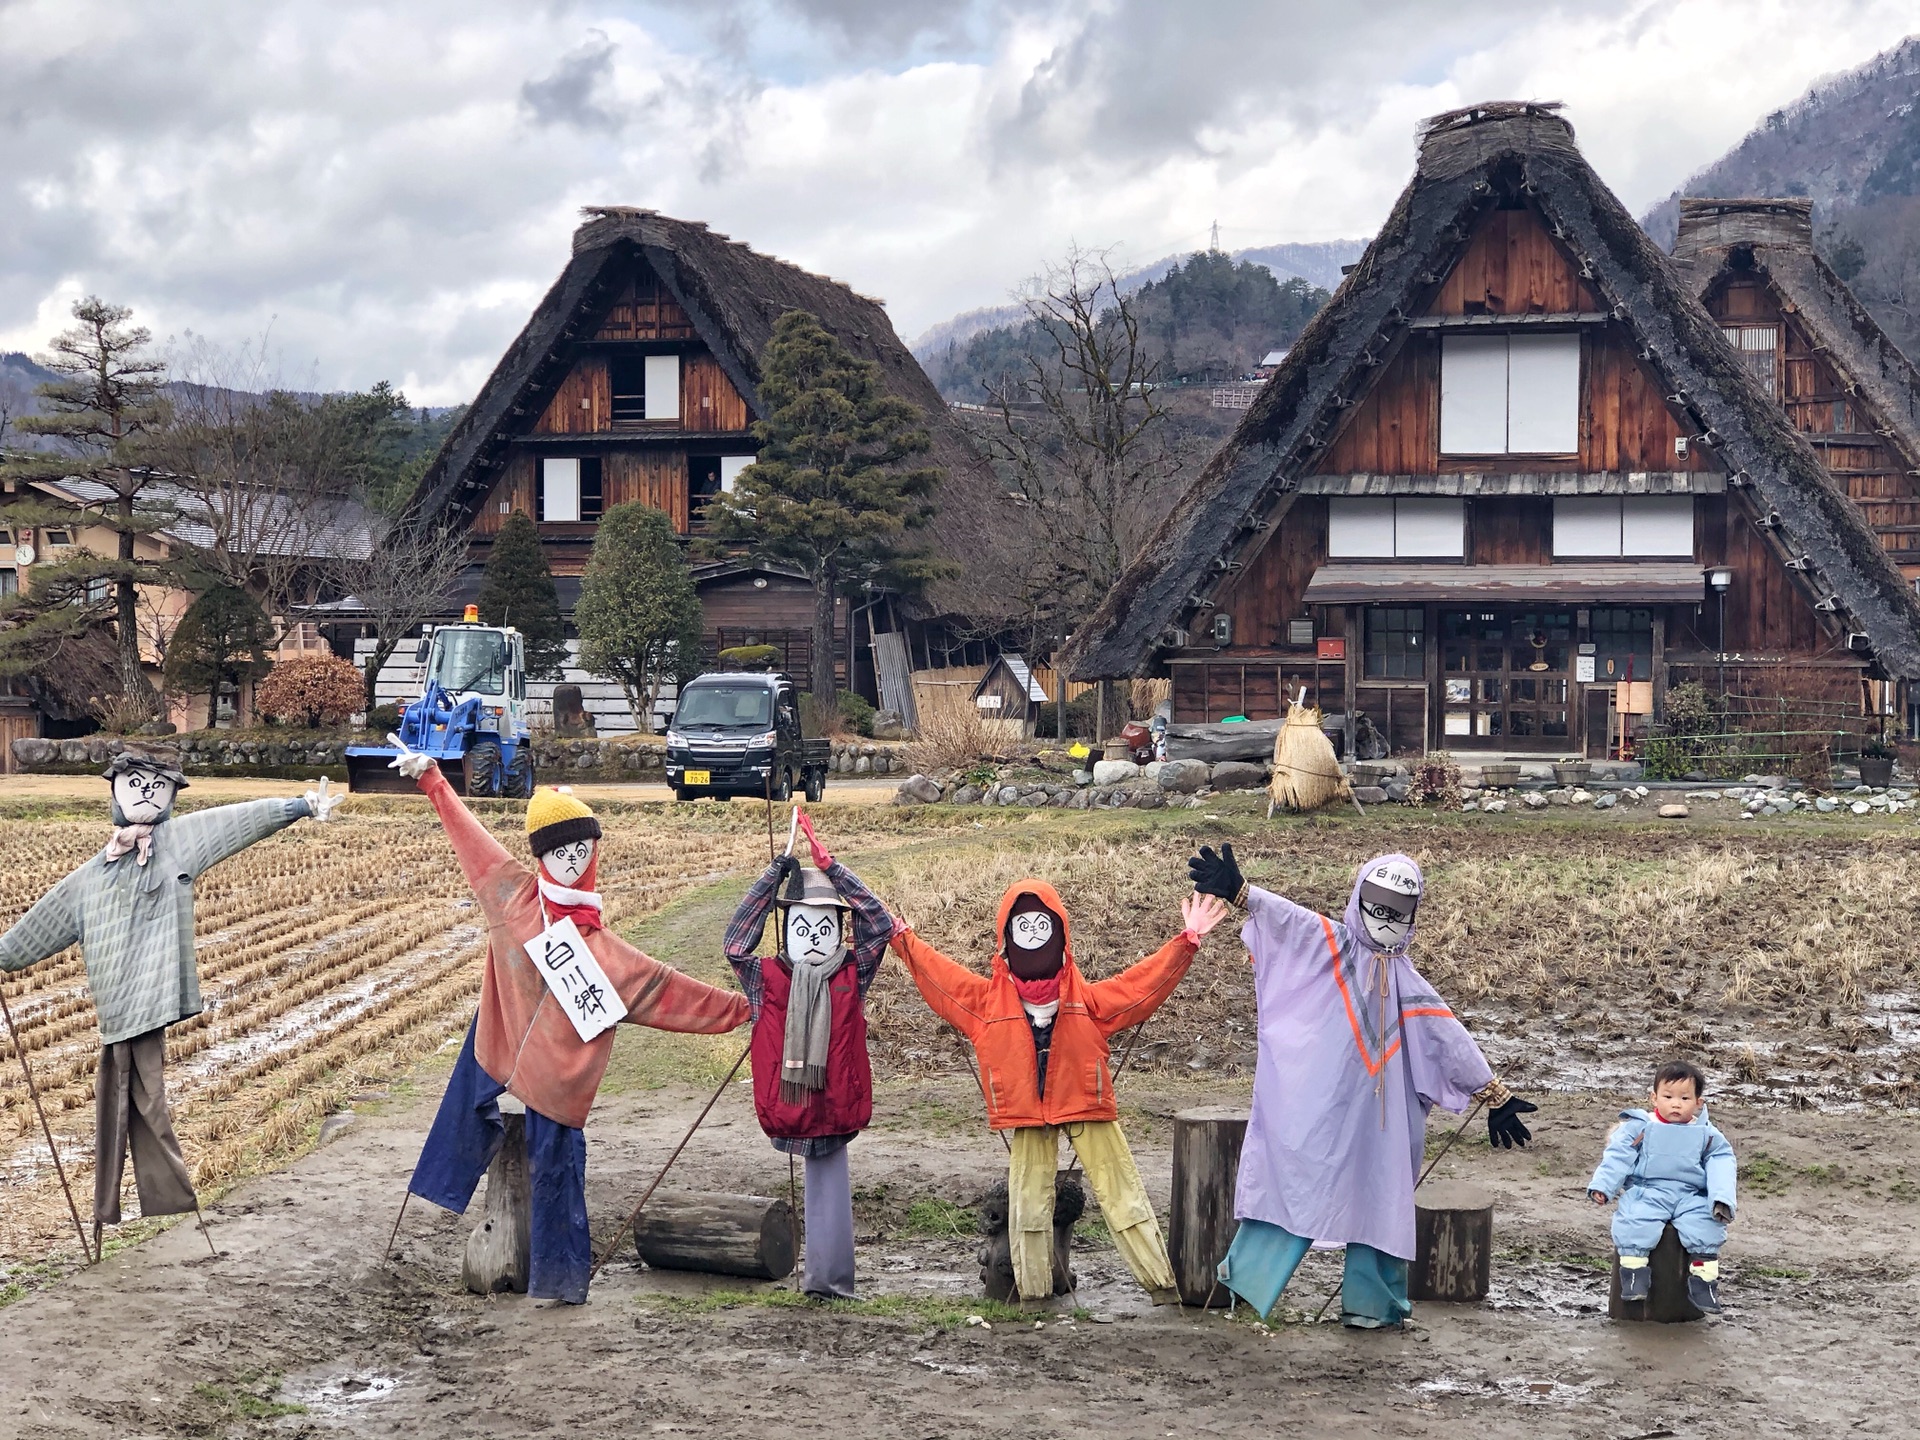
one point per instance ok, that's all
(803, 1060)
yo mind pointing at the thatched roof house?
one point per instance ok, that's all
(1842, 382)
(1617, 402)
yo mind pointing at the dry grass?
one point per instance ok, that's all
(950, 737)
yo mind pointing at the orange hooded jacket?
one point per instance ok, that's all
(986, 1009)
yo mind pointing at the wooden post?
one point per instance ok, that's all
(996, 1254)
(1206, 1159)
(1453, 1242)
(498, 1249)
(722, 1234)
(1668, 1303)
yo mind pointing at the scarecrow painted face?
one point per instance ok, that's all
(1036, 940)
(142, 796)
(1389, 896)
(813, 933)
(567, 863)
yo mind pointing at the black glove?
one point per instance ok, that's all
(787, 867)
(1217, 874)
(1504, 1130)
(1723, 1212)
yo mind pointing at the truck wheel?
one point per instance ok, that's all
(483, 764)
(816, 783)
(784, 790)
(520, 774)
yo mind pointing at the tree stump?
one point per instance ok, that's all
(1206, 1162)
(996, 1256)
(1453, 1243)
(498, 1249)
(750, 1235)
(1668, 1304)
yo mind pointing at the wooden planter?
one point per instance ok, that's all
(1500, 775)
(1576, 774)
(1876, 772)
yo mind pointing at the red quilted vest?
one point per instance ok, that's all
(845, 1104)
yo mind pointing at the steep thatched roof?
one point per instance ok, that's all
(733, 295)
(1771, 240)
(1469, 161)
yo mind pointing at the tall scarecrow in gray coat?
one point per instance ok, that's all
(130, 909)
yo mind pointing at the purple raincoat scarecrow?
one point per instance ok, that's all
(1355, 1049)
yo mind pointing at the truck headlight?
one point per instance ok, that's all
(675, 740)
(768, 740)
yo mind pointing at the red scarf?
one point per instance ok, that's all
(1038, 992)
(587, 917)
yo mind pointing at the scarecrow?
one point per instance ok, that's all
(812, 1082)
(544, 1031)
(130, 909)
(1355, 1049)
(1040, 1030)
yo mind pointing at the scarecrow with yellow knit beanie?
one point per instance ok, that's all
(530, 1038)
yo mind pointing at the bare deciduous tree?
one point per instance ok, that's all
(403, 580)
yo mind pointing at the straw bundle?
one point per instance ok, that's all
(1306, 775)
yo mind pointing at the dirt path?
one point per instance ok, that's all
(162, 1340)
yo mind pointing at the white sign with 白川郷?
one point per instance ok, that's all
(581, 987)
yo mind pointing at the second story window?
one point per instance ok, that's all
(1758, 347)
(1510, 395)
(644, 388)
(1395, 529)
(570, 491)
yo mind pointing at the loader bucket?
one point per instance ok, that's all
(370, 772)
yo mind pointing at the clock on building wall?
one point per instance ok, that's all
(23, 555)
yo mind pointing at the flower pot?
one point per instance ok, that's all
(1500, 775)
(1578, 773)
(1876, 771)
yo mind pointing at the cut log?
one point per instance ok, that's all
(722, 1234)
(996, 1255)
(1668, 1304)
(1206, 1160)
(1453, 1243)
(1251, 740)
(498, 1249)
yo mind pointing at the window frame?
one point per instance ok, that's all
(1467, 389)
(1363, 515)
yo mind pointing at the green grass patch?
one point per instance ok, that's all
(1765, 1174)
(931, 1219)
(939, 1311)
(1093, 1229)
(1823, 1174)
(249, 1397)
(1776, 1272)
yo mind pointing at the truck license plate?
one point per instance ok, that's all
(697, 777)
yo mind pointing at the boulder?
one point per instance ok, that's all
(887, 725)
(1115, 772)
(917, 790)
(1580, 797)
(1252, 740)
(30, 750)
(966, 795)
(863, 766)
(1673, 811)
(1183, 777)
(1151, 799)
(1399, 789)
(1239, 775)
(570, 717)
(1370, 794)
(73, 752)
(1535, 800)
(1606, 801)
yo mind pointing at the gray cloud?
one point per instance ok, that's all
(573, 93)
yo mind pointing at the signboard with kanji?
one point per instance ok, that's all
(580, 987)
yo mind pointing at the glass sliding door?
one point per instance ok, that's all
(1506, 678)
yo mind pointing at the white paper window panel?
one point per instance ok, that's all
(1586, 525)
(1360, 528)
(663, 387)
(560, 490)
(1543, 394)
(731, 467)
(1656, 525)
(1429, 528)
(1473, 395)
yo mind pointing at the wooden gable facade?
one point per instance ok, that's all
(1479, 502)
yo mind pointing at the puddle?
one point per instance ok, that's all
(340, 1395)
(942, 1367)
(1569, 1290)
(1517, 1389)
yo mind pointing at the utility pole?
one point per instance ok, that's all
(1214, 244)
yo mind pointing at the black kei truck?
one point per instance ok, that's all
(739, 733)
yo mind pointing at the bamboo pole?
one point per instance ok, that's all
(34, 1091)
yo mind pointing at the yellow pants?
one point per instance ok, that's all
(1103, 1152)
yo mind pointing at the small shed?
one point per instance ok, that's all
(1009, 698)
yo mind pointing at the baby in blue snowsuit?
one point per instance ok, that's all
(1675, 1167)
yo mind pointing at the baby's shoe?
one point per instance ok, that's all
(1636, 1281)
(1703, 1285)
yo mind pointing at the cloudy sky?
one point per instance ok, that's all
(385, 189)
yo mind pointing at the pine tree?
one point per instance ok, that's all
(828, 491)
(517, 590)
(221, 640)
(101, 412)
(638, 616)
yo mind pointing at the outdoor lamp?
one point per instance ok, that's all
(1720, 578)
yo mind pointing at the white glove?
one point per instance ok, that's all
(321, 804)
(410, 763)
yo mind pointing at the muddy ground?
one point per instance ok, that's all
(1779, 959)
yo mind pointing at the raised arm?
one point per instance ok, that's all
(483, 860)
(953, 992)
(742, 942)
(48, 928)
(1126, 999)
(206, 837)
(1277, 930)
(872, 926)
